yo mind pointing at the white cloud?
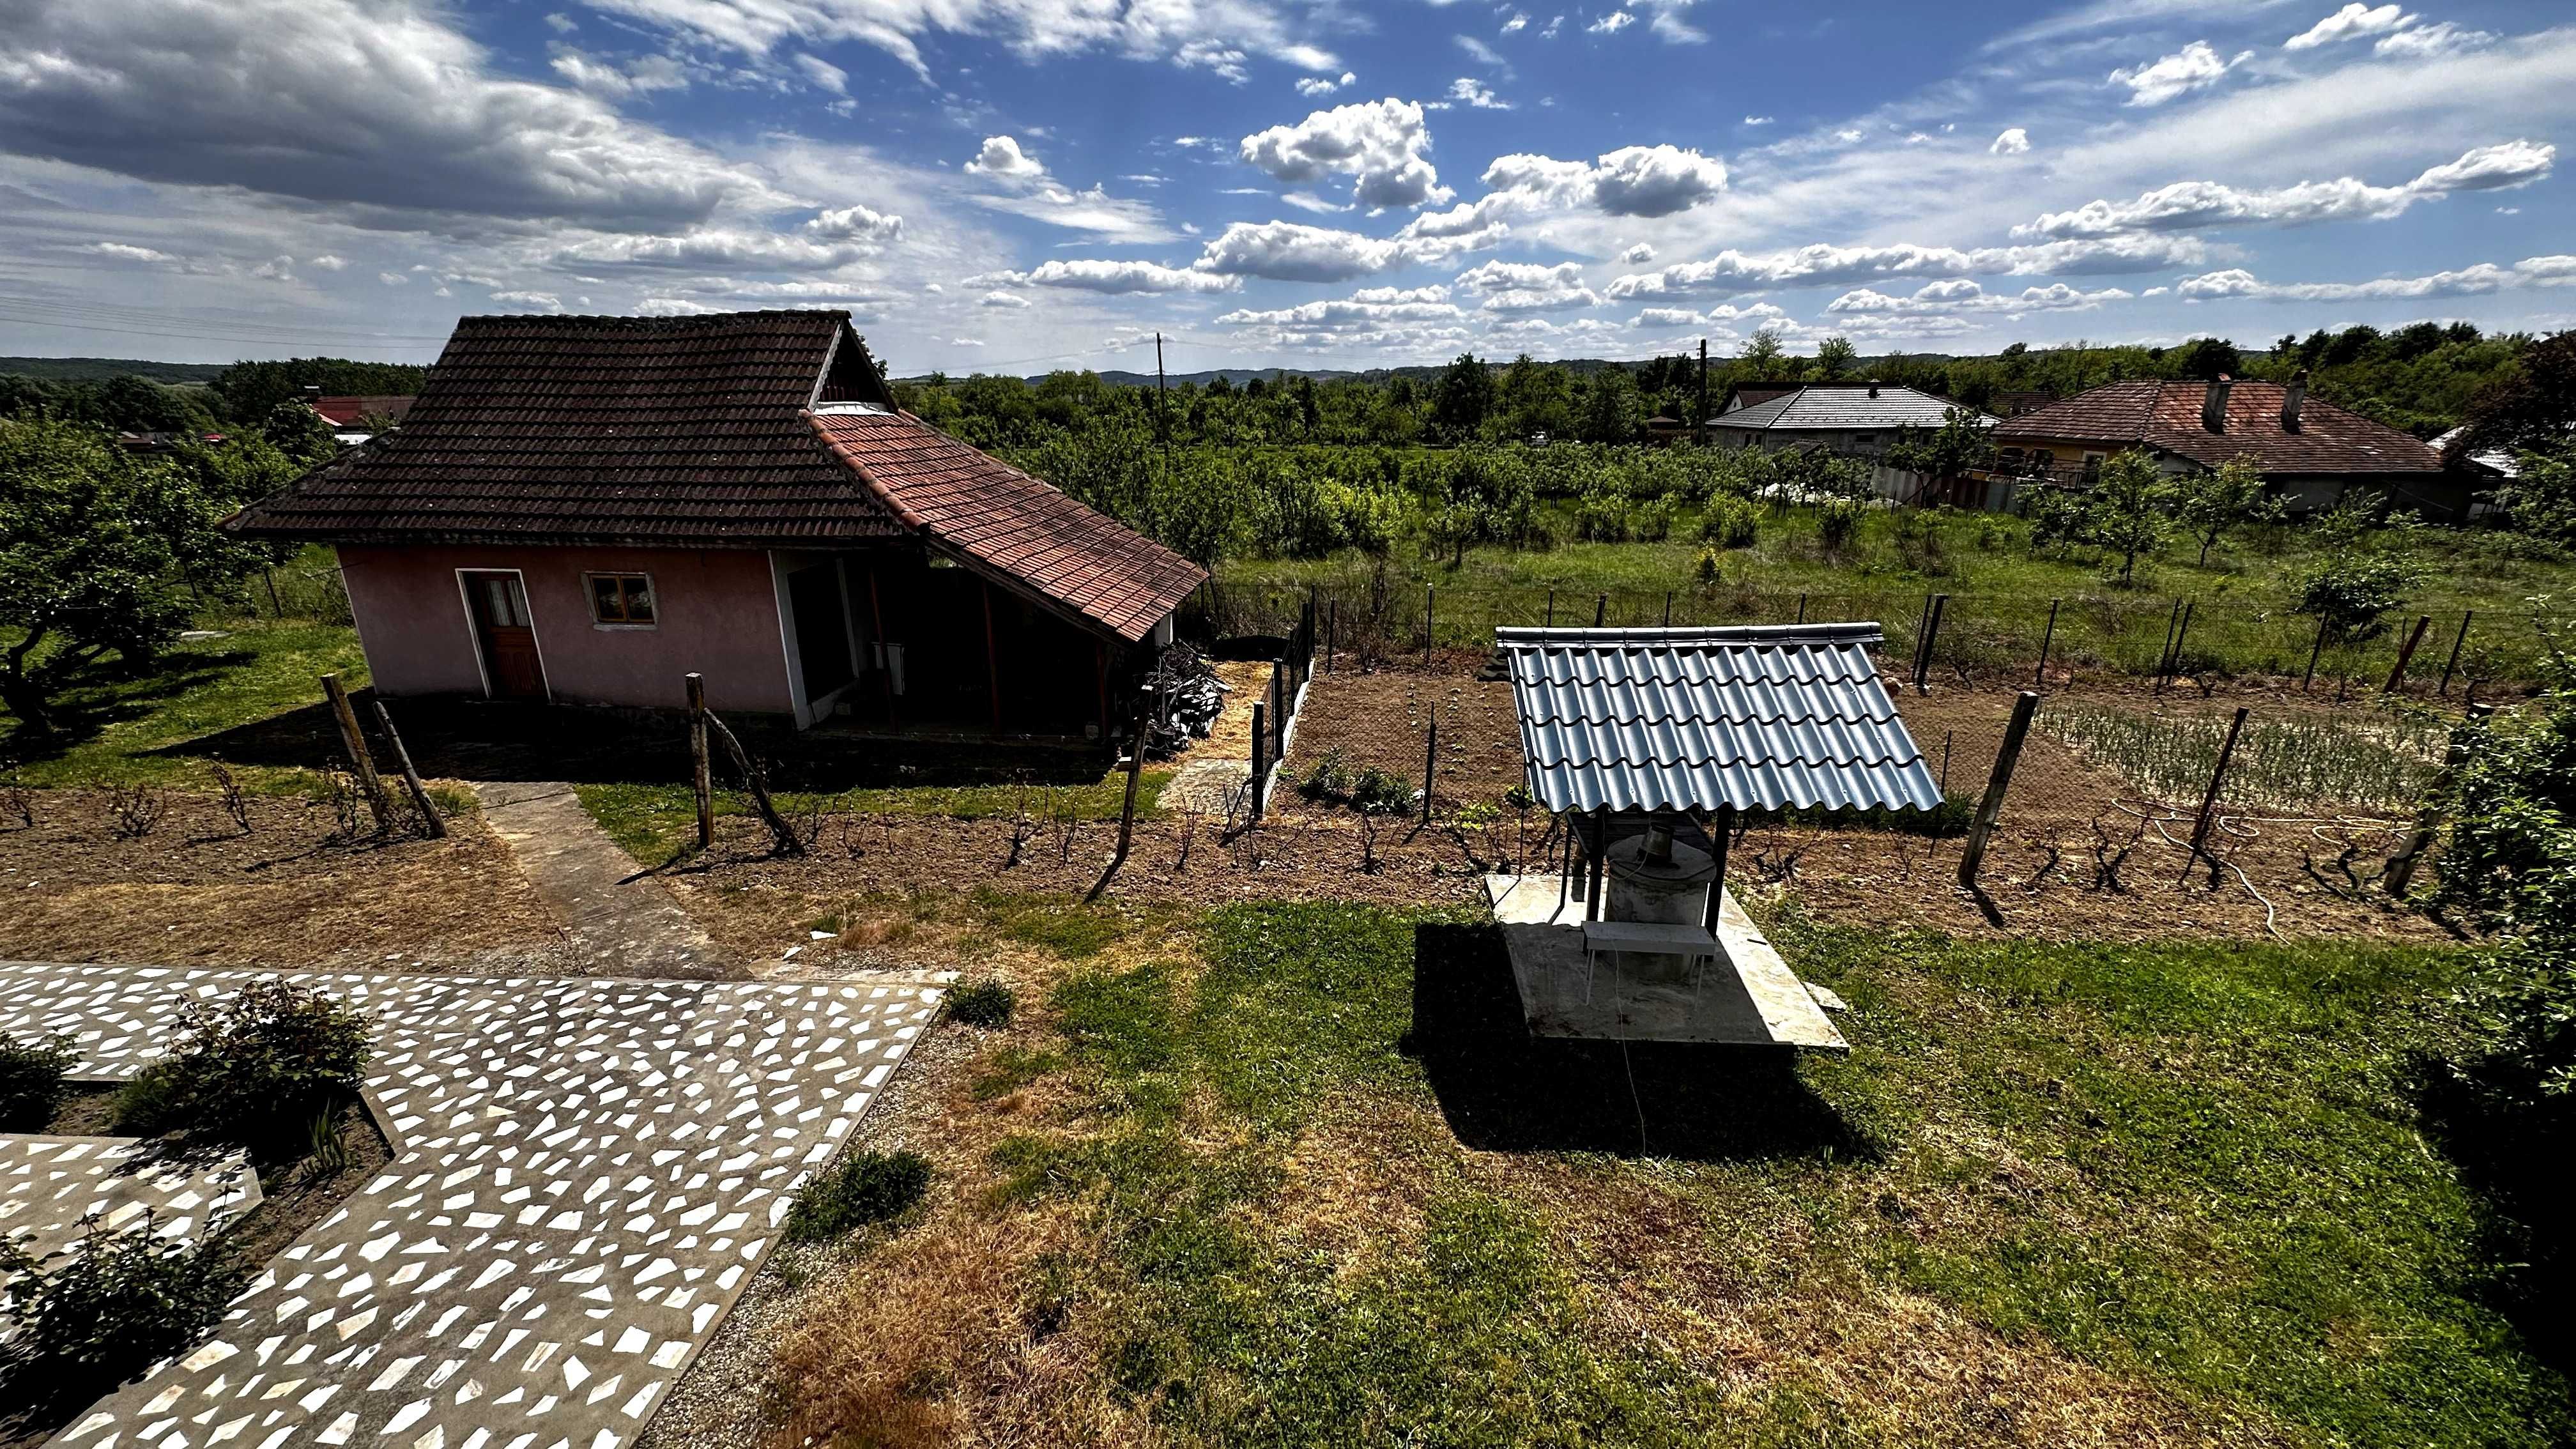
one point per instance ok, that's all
(2476, 280)
(2196, 204)
(640, 75)
(2013, 142)
(855, 223)
(1638, 255)
(1959, 294)
(1116, 277)
(1759, 120)
(1481, 53)
(1731, 272)
(1380, 144)
(1001, 299)
(381, 110)
(1667, 21)
(824, 74)
(1611, 24)
(2352, 21)
(1646, 181)
(673, 307)
(393, 279)
(1522, 287)
(1477, 95)
(540, 301)
(1370, 308)
(1518, 22)
(2189, 69)
(1288, 251)
(278, 269)
(2432, 40)
(328, 262)
(120, 251)
(1002, 159)
(1317, 86)
(712, 247)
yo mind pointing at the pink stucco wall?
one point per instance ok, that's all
(717, 614)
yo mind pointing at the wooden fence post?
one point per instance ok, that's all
(1600, 611)
(2314, 650)
(430, 822)
(2171, 665)
(780, 832)
(2401, 866)
(1933, 609)
(1551, 609)
(2406, 656)
(2047, 636)
(2454, 663)
(1260, 752)
(1135, 767)
(1668, 608)
(2218, 776)
(1430, 759)
(2015, 733)
(702, 783)
(362, 764)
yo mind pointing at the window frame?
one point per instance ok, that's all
(590, 591)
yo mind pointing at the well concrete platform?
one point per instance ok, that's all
(1750, 997)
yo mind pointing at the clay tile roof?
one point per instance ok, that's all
(2166, 416)
(993, 514)
(340, 412)
(1828, 407)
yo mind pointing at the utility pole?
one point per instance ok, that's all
(1162, 417)
(1700, 424)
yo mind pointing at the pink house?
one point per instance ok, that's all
(585, 510)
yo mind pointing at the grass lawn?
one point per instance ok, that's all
(111, 726)
(653, 822)
(1213, 1188)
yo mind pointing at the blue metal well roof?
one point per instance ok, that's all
(1758, 717)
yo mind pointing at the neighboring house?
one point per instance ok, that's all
(2310, 453)
(1746, 396)
(348, 415)
(1863, 419)
(587, 509)
(2498, 461)
(2014, 404)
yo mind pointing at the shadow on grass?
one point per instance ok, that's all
(483, 740)
(110, 694)
(1503, 1090)
(2508, 1152)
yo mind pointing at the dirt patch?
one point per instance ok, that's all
(1382, 719)
(197, 889)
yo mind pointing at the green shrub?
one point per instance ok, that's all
(1730, 523)
(1382, 792)
(982, 1003)
(252, 1071)
(31, 1080)
(1329, 778)
(868, 1187)
(94, 1316)
(1838, 522)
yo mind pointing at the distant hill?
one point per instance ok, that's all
(100, 369)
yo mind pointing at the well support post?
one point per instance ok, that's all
(1992, 805)
(354, 743)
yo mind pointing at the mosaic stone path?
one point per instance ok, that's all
(586, 1172)
(617, 922)
(48, 1184)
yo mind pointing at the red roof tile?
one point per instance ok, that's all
(1025, 528)
(340, 412)
(2166, 416)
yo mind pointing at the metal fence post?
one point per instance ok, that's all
(2454, 662)
(2314, 650)
(1600, 611)
(1430, 759)
(2047, 636)
(1430, 618)
(1997, 783)
(1260, 749)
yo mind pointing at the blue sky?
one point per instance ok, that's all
(1003, 185)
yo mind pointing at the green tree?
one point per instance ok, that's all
(1760, 356)
(2126, 510)
(1835, 356)
(2541, 501)
(2212, 503)
(1463, 398)
(1611, 410)
(299, 432)
(1959, 444)
(82, 574)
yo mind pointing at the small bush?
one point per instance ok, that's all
(92, 1317)
(1329, 778)
(868, 1187)
(31, 1080)
(1382, 792)
(1730, 523)
(982, 1003)
(1838, 522)
(251, 1072)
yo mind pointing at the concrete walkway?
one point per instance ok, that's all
(586, 1173)
(617, 921)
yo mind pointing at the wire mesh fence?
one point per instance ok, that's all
(1960, 639)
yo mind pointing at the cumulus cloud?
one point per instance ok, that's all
(537, 301)
(824, 74)
(1824, 264)
(1002, 159)
(2197, 204)
(1369, 308)
(855, 223)
(717, 246)
(122, 252)
(638, 76)
(1289, 251)
(1115, 277)
(1959, 294)
(2013, 142)
(2433, 40)
(2476, 280)
(2191, 68)
(329, 263)
(1638, 255)
(1643, 181)
(1523, 287)
(387, 110)
(673, 307)
(1379, 144)
(1001, 299)
(1473, 93)
(393, 279)
(2352, 21)
(1611, 24)
(1316, 86)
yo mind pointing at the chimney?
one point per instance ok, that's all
(2293, 398)
(1873, 387)
(2213, 407)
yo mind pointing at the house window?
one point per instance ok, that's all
(623, 600)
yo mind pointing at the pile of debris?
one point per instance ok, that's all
(1193, 697)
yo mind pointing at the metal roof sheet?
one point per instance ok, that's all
(1761, 717)
(1836, 406)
